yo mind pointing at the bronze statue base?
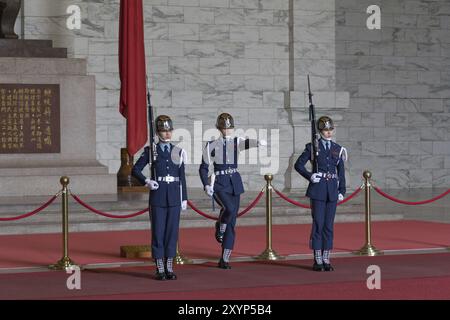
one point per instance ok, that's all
(9, 10)
(125, 181)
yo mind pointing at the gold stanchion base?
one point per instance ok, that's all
(269, 254)
(368, 250)
(133, 252)
(63, 264)
(179, 259)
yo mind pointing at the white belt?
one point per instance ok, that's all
(227, 171)
(327, 175)
(169, 179)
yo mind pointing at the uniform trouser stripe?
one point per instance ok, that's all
(226, 255)
(169, 264)
(326, 256)
(318, 256)
(160, 265)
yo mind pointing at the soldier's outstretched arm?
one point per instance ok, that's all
(245, 144)
(140, 165)
(302, 161)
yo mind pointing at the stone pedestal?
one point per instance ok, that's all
(39, 174)
(30, 49)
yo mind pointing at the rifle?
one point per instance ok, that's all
(152, 150)
(314, 134)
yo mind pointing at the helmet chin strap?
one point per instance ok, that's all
(163, 140)
(226, 137)
(324, 138)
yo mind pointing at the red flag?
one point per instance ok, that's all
(132, 73)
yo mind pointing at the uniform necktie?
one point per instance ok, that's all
(225, 151)
(328, 146)
(166, 149)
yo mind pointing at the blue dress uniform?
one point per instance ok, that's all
(165, 202)
(324, 194)
(228, 187)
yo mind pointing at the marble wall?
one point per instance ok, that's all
(398, 79)
(387, 89)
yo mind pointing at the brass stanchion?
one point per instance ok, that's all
(269, 253)
(368, 249)
(65, 262)
(179, 259)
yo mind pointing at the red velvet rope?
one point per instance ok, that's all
(108, 215)
(286, 198)
(250, 206)
(412, 203)
(193, 207)
(29, 214)
(306, 206)
(354, 193)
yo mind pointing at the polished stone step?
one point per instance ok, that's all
(42, 66)
(23, 43)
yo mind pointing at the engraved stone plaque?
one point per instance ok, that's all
(29, 118)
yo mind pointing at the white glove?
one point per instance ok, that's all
(152, 184)
(184, 205)
(315, 178)
(340, 197)
(209, 190)
(262, 143)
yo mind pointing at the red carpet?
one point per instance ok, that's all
(418, 276)
(403, 289)
(102, 247)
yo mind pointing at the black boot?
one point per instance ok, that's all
(160, 276)
(318, 267)
(223, 264)
(171, 276)
(328, 267)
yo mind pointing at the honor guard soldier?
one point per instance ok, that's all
(225, 183)
(326, 187)
(168, 195)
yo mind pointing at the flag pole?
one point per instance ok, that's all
(129, 16)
